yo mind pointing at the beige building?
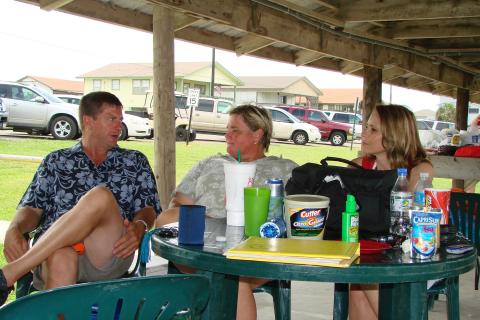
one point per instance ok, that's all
(131, 81)
(272, 89)
(55, 86)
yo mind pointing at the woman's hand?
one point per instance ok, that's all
(180, 199)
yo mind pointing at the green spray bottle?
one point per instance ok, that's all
(350, 220)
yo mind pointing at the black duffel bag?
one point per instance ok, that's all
(371, 189)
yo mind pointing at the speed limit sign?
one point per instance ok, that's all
(192, 99)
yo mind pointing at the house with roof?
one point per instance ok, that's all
(272, 89)
(131, 81)
(55, 86)
(341, 99)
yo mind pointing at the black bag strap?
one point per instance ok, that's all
(351, 163)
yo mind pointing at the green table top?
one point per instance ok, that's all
(391, 266)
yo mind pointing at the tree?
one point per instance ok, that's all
(446, 112)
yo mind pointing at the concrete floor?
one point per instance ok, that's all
(311, 300)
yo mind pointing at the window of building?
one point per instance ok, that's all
(202, 87)
(115, 84)
(97, 84)
(186, 86)
(140, 86)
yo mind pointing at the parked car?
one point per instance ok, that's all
(134, 126)
(440, 125)
(68, 98)
(3, 114)
(429, 138)
(211, 115)
(288, 127)
(347, 117)
(335, 132)
(35, 111)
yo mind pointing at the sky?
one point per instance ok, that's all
(58, 45)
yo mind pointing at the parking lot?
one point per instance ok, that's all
(200, 137)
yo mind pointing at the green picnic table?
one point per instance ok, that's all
(403, 281)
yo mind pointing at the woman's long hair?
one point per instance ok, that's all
(400, 136)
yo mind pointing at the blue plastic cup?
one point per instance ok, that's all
(191, 224)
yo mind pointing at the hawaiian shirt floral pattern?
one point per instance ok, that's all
(66, 175)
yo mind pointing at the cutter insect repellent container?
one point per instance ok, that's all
(350, 220)
(305, 215)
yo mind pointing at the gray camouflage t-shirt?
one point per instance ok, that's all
(205, 182)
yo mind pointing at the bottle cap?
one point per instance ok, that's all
(424, 175)
(269, 230)
(351, 205)
(402, 171)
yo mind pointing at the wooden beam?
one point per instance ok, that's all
(392, 73)
(183, 20)
(327, 5)
(272, 24)
(392, 10)
(303, 57)
(163, 99)
(49, 5)
(432, 29)
(250, 43)
(348, 67)
(328, 19)
(111, 13)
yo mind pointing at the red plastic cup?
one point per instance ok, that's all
(440, 199)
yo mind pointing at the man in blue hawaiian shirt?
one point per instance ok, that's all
(90, 205)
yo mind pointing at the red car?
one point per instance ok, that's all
(335, 132)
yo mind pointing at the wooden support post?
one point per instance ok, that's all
(163, 100)
(372, 89)
(461, 116)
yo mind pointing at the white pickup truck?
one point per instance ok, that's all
(211, 115)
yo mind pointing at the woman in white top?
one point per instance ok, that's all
(249, 131)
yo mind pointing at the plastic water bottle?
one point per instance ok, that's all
(401, 200)
(419, 194)
(275, 226)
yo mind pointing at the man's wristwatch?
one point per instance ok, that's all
(143, 222)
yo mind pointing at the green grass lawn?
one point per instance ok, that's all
(16, 175)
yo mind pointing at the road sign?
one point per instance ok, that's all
(192, 99)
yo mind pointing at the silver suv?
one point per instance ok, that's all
(32, 110)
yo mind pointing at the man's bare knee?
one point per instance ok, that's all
(62, 261)
(60, 268)
(101, 198)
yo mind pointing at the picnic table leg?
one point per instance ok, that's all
(340, 301)
(222, 303)
(453, 304)
(403, 301)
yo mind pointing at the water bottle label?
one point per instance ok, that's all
(401, 201)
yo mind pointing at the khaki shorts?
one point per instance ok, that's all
(88, 272)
